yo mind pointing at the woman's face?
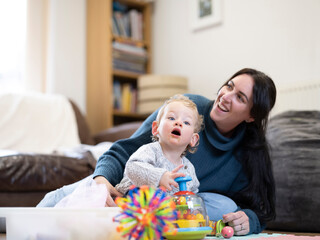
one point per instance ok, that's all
(233, 104)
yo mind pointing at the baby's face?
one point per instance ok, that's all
(177, 124)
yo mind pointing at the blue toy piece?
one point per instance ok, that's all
(182, 181)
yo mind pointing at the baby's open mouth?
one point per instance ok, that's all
(176, 132)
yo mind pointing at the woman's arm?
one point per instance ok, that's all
(111, 190)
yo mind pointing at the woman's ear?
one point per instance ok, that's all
(194, 139)
(155, 128)
(249, 120)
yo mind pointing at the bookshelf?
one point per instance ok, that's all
(104, 68)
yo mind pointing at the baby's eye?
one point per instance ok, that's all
(171, 118)
(186, 123)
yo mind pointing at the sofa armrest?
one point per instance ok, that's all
(118, 132)
(83, 127)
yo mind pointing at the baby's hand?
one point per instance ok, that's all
(168, 178)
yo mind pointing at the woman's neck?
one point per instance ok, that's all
(226, 132)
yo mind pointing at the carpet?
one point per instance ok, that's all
(266, 236)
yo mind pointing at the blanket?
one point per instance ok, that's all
(36, 122)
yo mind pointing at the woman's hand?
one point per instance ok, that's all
(112, 192)
(167, 179)
(239, 221)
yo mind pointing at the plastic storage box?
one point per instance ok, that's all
(60, 223)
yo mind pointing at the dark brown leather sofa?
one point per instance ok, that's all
(25, 177)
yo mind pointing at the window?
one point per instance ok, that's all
(12, 44)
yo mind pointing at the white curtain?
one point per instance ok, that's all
(36, 45)
(52, 47)
(12, 44)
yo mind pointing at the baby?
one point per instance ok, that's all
(175, 132)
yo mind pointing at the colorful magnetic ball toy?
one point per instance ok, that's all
(147, 213)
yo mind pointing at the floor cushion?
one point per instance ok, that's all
(294, 138)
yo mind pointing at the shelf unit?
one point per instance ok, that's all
(100, 72)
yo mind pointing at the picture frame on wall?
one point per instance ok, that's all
(204, 13)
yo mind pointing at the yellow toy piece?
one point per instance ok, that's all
(216, 227)
(182, 201)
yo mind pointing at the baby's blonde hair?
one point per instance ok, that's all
(190, 104)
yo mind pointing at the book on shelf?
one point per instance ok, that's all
(125, 97)
(134, 100)
(121, 24)
(128, 66)
(129, 48)
(129, 58)
(115, 27)
(120, 55)
(118, 6)
(116, 95)
(136, 24)
(128, 24)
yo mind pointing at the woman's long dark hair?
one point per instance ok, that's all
(259, 195)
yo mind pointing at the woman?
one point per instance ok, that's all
(232, 161)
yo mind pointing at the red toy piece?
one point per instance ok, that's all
(227, 232)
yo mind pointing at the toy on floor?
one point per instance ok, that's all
(146, 214)
(219, 229)
(192, 220)
(227, 232)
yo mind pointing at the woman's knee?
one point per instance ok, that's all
(217, 205)
(51, 198)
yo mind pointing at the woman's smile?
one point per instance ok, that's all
(221, 106)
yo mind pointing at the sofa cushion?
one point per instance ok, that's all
(83, 127)
(294, 138)
(115, 133)
(24, 172)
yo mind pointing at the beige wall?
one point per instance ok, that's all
(279, 37)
